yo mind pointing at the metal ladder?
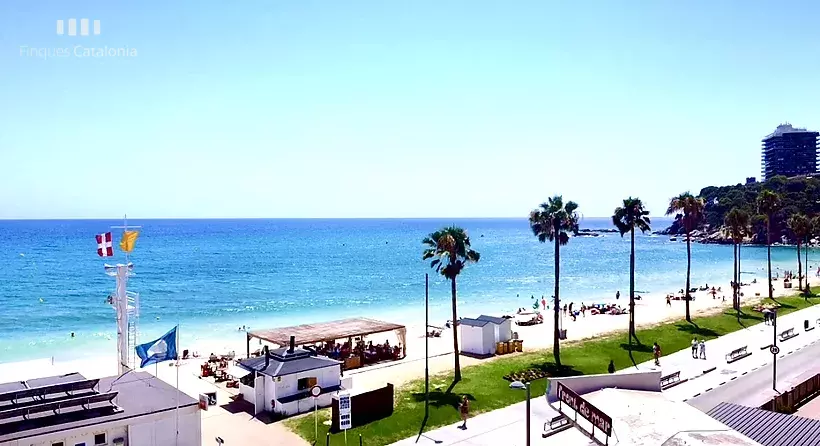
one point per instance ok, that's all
(133, 331)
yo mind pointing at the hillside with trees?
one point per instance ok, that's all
(800, 195)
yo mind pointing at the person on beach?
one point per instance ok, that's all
(543, 303)
(464, 408)
(668, 300)
(694, 348)
(617, 294)
(656, 352)
(570, 308)
(702, 346)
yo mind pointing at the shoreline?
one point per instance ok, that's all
(649, 311)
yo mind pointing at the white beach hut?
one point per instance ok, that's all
(477, 337)
(502, 327)
(280, 380)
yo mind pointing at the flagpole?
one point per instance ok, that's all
(177, 367)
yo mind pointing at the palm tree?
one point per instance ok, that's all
(768, 203)
(801, 227)
(737, 221)
(688, 211)
(451, 251)
(626, 218)
(553, 221)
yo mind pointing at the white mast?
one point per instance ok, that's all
(127, 306)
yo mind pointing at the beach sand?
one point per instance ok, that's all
(650, 310)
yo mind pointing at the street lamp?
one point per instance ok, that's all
(774, 350)
(518, 385)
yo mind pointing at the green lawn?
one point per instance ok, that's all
(484, 386)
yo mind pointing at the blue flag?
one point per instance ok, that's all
(162, 349)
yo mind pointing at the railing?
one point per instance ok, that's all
(787, 402)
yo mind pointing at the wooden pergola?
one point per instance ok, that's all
(327, 331)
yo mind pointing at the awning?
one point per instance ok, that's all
(237, 372)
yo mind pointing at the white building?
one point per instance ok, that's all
(477, 337)
(502, 327)
(280, 380)
(136, 409)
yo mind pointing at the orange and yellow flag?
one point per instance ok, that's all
(129, 238)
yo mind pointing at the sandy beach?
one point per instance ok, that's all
(650, 310)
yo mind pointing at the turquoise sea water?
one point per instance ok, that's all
(212, 276)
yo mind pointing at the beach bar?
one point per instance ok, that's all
(330, 332)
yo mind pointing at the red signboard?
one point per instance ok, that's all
(581, 406)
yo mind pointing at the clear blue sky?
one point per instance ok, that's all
(393, 109)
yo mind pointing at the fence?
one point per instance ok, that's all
(365, 407)
(787, 402)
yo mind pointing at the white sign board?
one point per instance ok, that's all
(344, 411)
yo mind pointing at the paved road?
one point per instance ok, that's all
(754, 388)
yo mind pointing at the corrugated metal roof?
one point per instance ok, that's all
(768, 428)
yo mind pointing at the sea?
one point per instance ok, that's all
(212, 277)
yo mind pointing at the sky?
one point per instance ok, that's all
(421, 108)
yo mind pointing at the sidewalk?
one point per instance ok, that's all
(505, 426)
(703, 375)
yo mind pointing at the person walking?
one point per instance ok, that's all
(617, 294)
(702, 346)
(656, 352)
(464, 408)
(694, 348)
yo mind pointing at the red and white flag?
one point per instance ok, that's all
(105, 247)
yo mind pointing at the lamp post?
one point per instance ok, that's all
(775, 350)
(518, 385)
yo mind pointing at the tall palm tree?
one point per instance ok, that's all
(801, 227)
(688, 211)
(451, 251)
(554, 221)
(768, 203)
(737, 220)
(626, 218)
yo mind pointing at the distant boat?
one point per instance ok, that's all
(673, 239)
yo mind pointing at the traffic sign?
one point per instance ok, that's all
(315, 391)
(774, 349)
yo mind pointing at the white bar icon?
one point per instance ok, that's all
(59, 27)
(72, 27)
(83, 27)
(96, 27)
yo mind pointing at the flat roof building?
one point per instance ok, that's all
(69, 410)
(789, 151)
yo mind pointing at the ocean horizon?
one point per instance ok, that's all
(211, 276)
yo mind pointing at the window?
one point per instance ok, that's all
(306, 383)
(99, 439)
(59, 443)
(80, 444)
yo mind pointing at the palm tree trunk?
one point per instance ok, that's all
(688, 271)
(799, 268)
(456, 362)
(632, 288)
(769, 253)
(734, 278)
(739, 278)
(556, 333)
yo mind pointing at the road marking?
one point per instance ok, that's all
(696, 395)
